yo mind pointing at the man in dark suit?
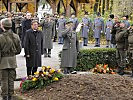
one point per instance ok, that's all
(33, 48)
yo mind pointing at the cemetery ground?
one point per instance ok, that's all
(81, 86)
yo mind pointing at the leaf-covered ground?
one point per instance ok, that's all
(86, 87)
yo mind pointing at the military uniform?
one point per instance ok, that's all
(130, 48)
(121, 39)
(86, 24)
(108, 29)
(48, 33)
(126, 23)
(69, 51)
(75, 22)
(98, 27)
(9, 48)
(61, 26)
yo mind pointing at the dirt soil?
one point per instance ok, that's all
(86, 87)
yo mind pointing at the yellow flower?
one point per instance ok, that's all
(48, 67)
(36, 73)
(59, 70)
(44, 73)
(56, 79)
(34, 79)
(52, 71)
(43, 67)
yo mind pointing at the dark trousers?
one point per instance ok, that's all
(85, 41)
(31, 70)
(97, 41)
(47, 51)
(60, 40)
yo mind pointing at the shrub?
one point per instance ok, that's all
(88, 58)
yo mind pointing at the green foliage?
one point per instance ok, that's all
(88, 58)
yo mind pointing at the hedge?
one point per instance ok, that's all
(88, 58)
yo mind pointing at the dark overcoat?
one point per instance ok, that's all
(85, 27)
(70, 49)
(26, 24)
(34, 48)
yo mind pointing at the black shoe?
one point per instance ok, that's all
(85, 44)
(107, 46)
(96, 46)
(49, 55)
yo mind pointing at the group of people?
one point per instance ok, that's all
(21, 30)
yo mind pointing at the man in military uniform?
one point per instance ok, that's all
(125, 20)
(74, 20)
(70, 48)
(61, 26)
(86, 25)
(108, 29)
(121, 42)
(130, 47)
(9, 47)
(98, 28)
(48, 33)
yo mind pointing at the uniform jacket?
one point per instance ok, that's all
(10, 46)
(70, 49)
(75, 22)
(98, 26)
(61, 26)
(86, 27)
(34, 48)
(108, 29)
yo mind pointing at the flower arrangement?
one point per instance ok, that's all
(40, 79)
(103, 69)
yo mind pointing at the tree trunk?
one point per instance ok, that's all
(68, 11)
(96, 6)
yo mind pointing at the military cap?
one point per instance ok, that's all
(6, 22)
(69, 22)
(111, 16)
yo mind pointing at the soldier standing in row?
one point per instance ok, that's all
(98, 28)
(130, 48)
(74, 20)
(61, 26)
(121, 42)
(9, 47)
(108, 29)
(86, 25)
(48, 33)
(70, 48)
(125, 20)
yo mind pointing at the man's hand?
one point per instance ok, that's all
(28, 56)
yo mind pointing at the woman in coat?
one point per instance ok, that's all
(70, 49)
